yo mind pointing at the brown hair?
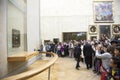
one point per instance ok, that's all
(118, 48)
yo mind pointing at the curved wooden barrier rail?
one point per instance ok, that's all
(33, 72)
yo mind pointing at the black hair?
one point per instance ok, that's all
(106, 46)
(79, 44)
(116, 60)
(114, 41)
(118, 48)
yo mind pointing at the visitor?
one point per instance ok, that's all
(105, 57)
(88, 52)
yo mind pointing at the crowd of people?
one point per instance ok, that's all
(102, 56)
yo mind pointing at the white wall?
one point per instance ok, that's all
(58, 16)
(16, 21)
(117, 11)
(33, 33)
(3, 38)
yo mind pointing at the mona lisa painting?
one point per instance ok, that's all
(15, 38)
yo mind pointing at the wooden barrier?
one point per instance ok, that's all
(35, 71)
(23, 56)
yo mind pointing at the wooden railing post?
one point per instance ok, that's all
(49, 73)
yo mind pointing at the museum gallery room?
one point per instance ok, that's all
(59, 39)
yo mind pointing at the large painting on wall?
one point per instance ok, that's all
(116, 29)
(67, 36)
(103, 11)
(105, 32)
(15, 38)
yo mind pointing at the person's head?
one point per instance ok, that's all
(99, 46)
(115, 62)
(105, 47)
(117, 51)
(114, 43)
(79, 44)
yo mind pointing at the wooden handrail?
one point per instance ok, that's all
(23, 56)
(33, 72)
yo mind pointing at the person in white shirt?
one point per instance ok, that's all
(71, 49)
(106, 56)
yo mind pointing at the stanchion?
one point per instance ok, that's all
(49, 73)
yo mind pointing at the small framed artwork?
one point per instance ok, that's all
(116, 28)
(93, 29)
(103, 11)
(46, 41)
(92, 38)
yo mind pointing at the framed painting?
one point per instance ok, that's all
(46, 41)
(103, 11)
(92, 38)
(93, 29)
(15, 38)
(68, 36)
(105, 32)
(116, 29)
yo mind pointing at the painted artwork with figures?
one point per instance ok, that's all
(116, 29)
(103, 11)
(92, 29)
(105, 32)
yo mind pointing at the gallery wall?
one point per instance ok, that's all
(33, 36)
(69, 16)
(16, 20)
(33, 28)
(64, 16)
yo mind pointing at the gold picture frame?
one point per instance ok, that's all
(103, 11)
(104, 31)
(93, 29)
(67, 36)
(92, 38)
(116, 29)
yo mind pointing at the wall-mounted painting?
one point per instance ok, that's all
(103, 11)
(116, 28)
(93, 29)
(93, 38)
(46, 41)
(15, 38)
(105, 32)
(67, 36)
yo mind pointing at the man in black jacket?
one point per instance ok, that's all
(77, 53)
(88, 51)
